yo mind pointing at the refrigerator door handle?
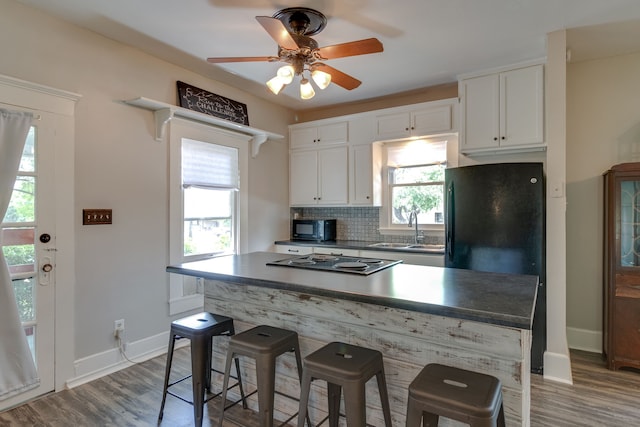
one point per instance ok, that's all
(450, 220)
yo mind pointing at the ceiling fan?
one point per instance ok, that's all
(292, 29)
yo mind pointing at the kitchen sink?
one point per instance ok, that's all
(388, 245)
(429, 247)
(416, 247)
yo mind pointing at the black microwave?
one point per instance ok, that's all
(319, 230)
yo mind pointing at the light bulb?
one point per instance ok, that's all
(306, 90)
(286, 73)
(321, 78)
(275, 85)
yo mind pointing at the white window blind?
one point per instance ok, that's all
(207, 165)
(417, 153)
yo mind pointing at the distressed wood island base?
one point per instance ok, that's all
(410, 332)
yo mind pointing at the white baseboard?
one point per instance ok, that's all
(557, 367)
(98, 365)
(584, 339)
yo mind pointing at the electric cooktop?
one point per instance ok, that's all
(335, 263)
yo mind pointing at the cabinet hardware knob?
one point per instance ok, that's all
(495, 139)
(504, 137)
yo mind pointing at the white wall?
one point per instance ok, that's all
(120, 267)
(603, 129)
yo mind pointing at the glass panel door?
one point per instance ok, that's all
(629, 223)
(28, 241)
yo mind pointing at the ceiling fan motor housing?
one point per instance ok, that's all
(301, 20)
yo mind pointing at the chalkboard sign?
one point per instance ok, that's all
(193, 98)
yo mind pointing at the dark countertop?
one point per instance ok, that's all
(500, 299)
(359, 245)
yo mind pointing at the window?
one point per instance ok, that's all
(207, 202)
(209, 182)
(413, 174)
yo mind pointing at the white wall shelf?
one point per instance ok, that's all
(163, 112)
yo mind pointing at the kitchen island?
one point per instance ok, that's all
(413, 314)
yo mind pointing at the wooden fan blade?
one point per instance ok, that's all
(360, 47)
(338, 77)
(242, 59)
(278, 32)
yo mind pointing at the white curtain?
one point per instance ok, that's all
(17, 369)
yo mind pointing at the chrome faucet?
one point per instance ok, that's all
(413, 216)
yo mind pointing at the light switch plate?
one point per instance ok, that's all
(97, 216)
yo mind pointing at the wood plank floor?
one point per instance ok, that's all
(131, 397)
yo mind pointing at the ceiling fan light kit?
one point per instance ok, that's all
(291, 28)
(322, 79)
(306, 90)
(275, 85)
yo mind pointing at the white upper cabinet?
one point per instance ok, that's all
(336, 162)
(305, 136)
(503, 111)
(365, 179)
(420, 122)
(319, 177)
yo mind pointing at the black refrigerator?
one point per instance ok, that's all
(495, 221)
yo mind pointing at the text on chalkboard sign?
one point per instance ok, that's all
(193, 98)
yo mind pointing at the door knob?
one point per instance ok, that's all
(47, 268)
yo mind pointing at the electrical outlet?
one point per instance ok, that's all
(118, 328)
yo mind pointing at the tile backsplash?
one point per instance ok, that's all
(359, 223)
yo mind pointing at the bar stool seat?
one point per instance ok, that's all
(350, 367)
(264, 344)
(469, 397)
(199, 329)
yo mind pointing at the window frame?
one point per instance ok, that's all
(185, 292)
(392, 185)
(386, 227)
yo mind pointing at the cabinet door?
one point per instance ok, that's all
(362, 130)
(332, 176)
(622, 266)
(335, 251)
(431, 121)
(365, 179)
(480, 112)
(521, 107)
(416, 259)
(303, 137)
(303, 178)
(627, 335)
(393, 126)
(333, 133)
(293, 249)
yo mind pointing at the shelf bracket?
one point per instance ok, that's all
(256, 142)
(162, 117)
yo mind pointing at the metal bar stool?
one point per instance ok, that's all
(200, 330)
(264, 344)
(350, 367)
(458, 394)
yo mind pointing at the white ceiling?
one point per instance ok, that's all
(426, 42)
